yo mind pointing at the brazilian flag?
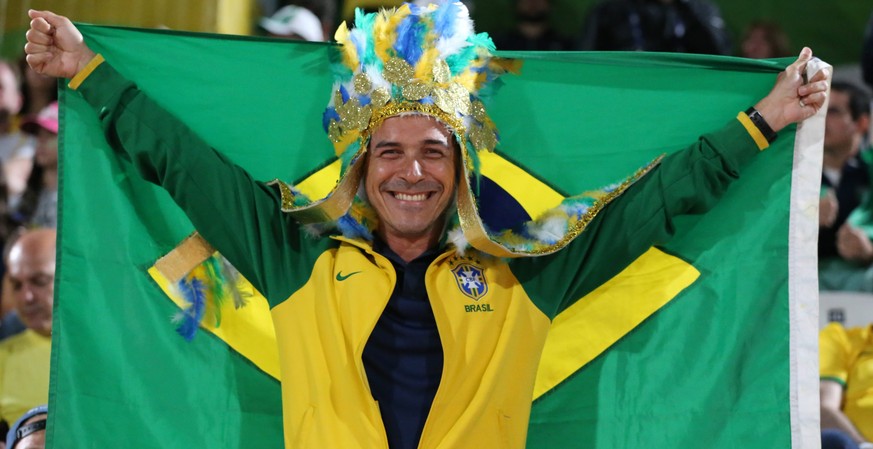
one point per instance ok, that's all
(706, 342)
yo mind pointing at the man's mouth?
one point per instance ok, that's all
(411, 196)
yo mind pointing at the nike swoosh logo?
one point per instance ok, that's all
(340, 277)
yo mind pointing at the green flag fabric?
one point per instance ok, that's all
(728, 359)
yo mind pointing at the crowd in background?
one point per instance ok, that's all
(29, 183)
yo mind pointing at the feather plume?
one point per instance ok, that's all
(385, 29)
(232, 277)
(410, 37)
(217, 286)
(349, 52)
(193, 292)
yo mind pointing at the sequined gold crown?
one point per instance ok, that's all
(424, 59)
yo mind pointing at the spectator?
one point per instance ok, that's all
(846, 386)
(16, 148)
(38, 91)
(29, 431)
(532, 32)
(24, 358)
(294, 22)
(845, 178)
(684, 26)
(764, 40)
(10, 324)
(39, 203)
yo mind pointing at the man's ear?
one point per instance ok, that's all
(863, 124)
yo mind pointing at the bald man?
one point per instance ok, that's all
(24, 358)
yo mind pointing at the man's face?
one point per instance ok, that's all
(32, 282)
(410, 177)
(842, 133)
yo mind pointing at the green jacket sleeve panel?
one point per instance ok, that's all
(239, 216)
(689, 181)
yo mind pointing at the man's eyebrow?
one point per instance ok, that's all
(392, 143)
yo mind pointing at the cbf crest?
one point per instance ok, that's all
(471, 280)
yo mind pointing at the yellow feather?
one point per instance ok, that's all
(424, 68)
(350, 52)
(385, 29)
(467, 79)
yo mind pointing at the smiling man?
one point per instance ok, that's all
(411, 323)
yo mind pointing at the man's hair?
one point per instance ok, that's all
(859, 99)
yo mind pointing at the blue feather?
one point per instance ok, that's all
(353, 229)
(445, 18)
(329, 114)
(410, 37)
(194, 293)
(345, 93)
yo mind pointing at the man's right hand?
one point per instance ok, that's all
(54, 46)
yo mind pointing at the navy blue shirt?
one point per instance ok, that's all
(403, 357)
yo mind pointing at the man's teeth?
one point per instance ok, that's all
(408, 197)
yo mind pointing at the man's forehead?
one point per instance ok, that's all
(413, 126)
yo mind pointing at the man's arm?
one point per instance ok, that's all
(242, 218)
(832, 416)
(686, 182)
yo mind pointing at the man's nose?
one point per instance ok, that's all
(413, 171)
(24, 295)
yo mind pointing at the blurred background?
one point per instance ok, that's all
(835, 36)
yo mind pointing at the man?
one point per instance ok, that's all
(29, 431)
(845, 371)
(681, 26)
(24, 358)
(382, 309)
(16, 148)
(845, 184)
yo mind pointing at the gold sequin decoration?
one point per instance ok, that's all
(416, 90)
(462, 98)
(445, 101)
(380, 96)
(478, 111)
(482, 138)
(398, 71)
(441, 72)
(394, 109)
(337, 99)
(362, 83)
(334, 132)
(353, 115)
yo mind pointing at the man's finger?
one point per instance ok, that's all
(38, 59)
(41, 25)
(38, 37)
(50, 17)
(33, 49)
(812, 87)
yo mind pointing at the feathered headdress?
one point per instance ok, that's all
(424, 60)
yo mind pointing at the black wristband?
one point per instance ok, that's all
(761, 124)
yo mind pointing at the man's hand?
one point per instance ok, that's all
(828, 208)
(792, 100)
(54, 46)
(854, 245)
